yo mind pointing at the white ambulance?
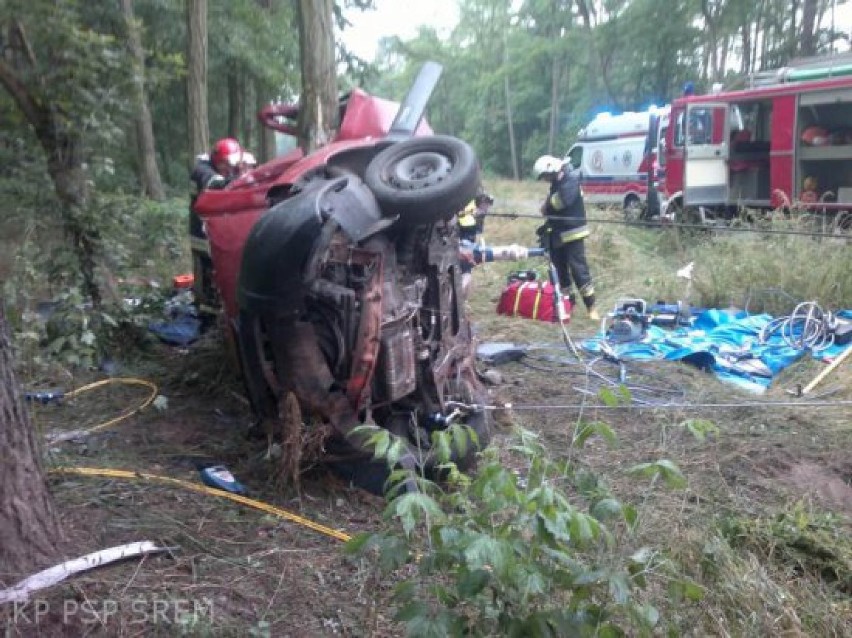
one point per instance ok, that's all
(615, 155)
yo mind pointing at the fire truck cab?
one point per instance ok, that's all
(784, 142)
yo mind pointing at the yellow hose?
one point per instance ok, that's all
(128, 413)
(203, 489)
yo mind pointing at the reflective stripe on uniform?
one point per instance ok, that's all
(574, 234)
(556, 201)
(199, 245)
(466, 217)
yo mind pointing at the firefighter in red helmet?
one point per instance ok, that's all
(219, 167)
(227, 161)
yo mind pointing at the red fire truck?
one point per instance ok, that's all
(785, 141)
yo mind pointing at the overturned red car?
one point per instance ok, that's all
(339, 279)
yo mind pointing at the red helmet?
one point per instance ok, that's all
(227, 153)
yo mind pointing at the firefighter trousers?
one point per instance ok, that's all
(571, 267)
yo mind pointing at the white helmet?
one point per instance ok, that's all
(546, 164)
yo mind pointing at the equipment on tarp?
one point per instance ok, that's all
(841, 328)
(741, 360)
(668, 315)
(628, 321)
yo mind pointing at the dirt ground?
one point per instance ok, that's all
(236, 571)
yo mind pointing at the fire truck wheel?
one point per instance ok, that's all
(693, 215)
(424, 179)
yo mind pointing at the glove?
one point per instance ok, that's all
(543, 233)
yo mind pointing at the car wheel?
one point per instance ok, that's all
(424, 179)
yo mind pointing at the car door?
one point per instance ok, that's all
(706, 151)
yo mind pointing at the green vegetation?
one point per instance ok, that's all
(724, 552)
(527, 546)
(567, 528)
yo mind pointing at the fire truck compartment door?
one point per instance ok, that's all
(705, 179)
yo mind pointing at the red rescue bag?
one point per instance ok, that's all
(532, 299)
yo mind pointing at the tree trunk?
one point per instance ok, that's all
(745, 31)
(196, 77)
(594, 60)
(555, 82)
(318, 104)
(63, 147)
(723, 57)
(149, 174)
(807, 42)
(29, 526)
(248, 119)
(757, 63)
(235, 101)
(712, 40)
(266, 137)
(513, 153)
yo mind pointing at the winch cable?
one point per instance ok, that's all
(652, 224)
(670, 406)
(203, 489)
(645, 394)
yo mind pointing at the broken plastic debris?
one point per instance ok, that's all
(220, 477)
(58, 573)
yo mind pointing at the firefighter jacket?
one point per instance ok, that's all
(467, 217)
(565, 202)
(204, 176)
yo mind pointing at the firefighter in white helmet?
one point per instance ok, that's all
(564, 232)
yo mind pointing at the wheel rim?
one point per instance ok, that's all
(420, 170)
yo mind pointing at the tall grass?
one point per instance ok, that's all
(745, 269)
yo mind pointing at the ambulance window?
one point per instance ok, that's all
(575, 156)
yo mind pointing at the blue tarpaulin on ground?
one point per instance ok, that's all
(726, 343)
(181, 325)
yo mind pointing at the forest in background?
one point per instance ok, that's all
(520, 77)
